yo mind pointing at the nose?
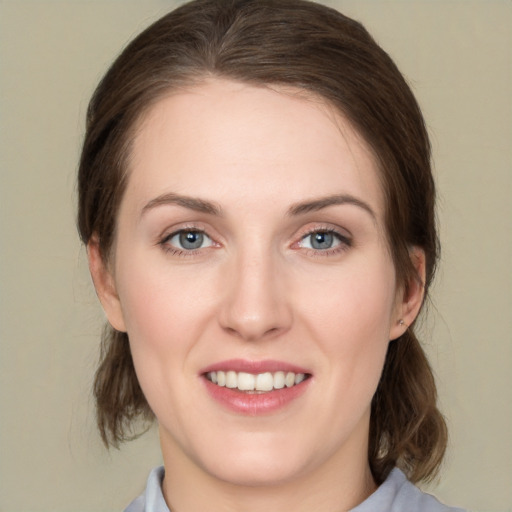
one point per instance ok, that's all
(254, 300)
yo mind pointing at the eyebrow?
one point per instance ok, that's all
(192, 203)
(333, 200)
(203, 206)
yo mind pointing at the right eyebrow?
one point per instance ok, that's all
(192, 203)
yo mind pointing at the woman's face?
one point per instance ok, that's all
(251, 253)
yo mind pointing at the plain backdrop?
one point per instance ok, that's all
(457, 56)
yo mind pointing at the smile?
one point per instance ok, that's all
(257, 383)
(255, 387)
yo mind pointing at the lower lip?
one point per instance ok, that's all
(253, 404)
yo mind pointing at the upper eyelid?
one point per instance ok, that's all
(175, 232)
(341, 238)
(169, 232)
(342, 232)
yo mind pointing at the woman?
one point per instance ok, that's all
(257, 202)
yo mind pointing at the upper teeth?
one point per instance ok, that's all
(261, 382)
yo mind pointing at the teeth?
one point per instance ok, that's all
(261, 382)
(299, 377)
(279, 380)
(289, 380)
(264, 382)
(231, 380)
(246, 381)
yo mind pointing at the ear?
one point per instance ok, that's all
(410, 296)
(105, 285)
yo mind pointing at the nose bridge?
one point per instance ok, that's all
(255, 304)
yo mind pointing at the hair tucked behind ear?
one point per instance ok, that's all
(119, 398)
(406, 428)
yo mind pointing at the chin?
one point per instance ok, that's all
(255, 472)
(258, 461)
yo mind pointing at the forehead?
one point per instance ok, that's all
(266, 144)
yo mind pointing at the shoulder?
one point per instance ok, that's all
(152, 500)
(397, 494)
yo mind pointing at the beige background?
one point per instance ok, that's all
(458, 58)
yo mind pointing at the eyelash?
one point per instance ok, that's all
(344, 242)
(175, 251)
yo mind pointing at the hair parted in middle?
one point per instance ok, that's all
(310, 48)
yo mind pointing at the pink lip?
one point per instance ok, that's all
(253, 404)
(243, 365)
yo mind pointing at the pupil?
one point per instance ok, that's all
(322, 240)
(191, 239)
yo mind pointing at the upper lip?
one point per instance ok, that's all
(254, 367)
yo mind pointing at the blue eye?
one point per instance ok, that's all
(321, 240)
(189, 240)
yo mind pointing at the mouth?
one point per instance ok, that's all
(259, 383)
(254, 388)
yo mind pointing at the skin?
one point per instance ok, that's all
(255, 290)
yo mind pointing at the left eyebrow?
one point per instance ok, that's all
(324, 202)
(192, 203)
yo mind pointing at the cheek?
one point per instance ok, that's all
(165, 313)
(165, 316)
(157, 296)
(350, 316)
(352, 301)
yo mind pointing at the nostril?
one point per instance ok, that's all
(254, 331)
(230, 330)
(254, 306)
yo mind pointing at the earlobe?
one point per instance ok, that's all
(409, 303)
(105, 285)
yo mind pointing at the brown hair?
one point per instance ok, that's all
(303, 45)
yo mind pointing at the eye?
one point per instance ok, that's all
(323, 240)
(189, 240)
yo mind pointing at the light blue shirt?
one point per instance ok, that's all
(396, 494)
